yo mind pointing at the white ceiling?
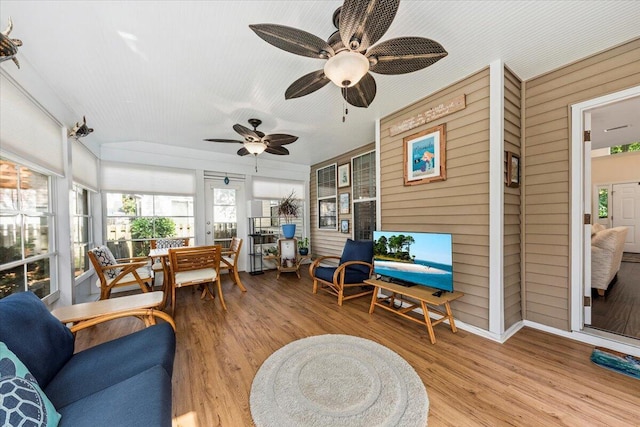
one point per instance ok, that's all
(175, 72)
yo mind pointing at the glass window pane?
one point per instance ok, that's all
(364, 220)
(224, 196)
(34, 194)
(12, 281)
(39, 278)
(36, 235)
(364, 176)
(80, 259)
(603, 203)
(184, 226)
(10, 238)
(327, 214)
(8, 185)
(327, 181)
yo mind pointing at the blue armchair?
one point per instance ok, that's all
(355, 266)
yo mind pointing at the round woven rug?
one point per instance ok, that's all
(331, 380)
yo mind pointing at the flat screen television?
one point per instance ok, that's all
(411, 259)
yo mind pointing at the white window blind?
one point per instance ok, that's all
(131, 178)
(27, 130)
(84, 165)
(269, 188)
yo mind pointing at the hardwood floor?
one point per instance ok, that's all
(619, 310)
(534, 379)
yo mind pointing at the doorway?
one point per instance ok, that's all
(606, 196)
(225, 213)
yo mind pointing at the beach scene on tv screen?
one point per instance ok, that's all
(420, 258)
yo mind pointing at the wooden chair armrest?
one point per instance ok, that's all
(147, 314)
(137, 258)
(127, 265)
(315, 263)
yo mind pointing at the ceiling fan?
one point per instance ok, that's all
(256, 142)
(349, 52)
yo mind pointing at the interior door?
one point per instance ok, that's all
(225, 215)
(626, 213)
(587, 203)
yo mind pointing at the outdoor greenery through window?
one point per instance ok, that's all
(625, 148)
(364, 196)
(327, 198)
(81, 228)
(135, 219)
(26, 221)
(603, 202)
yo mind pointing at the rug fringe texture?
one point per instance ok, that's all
(618, 362)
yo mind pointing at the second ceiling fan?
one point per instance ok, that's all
(348, 51)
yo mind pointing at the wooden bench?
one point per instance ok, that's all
(145, 306)
(419, 296)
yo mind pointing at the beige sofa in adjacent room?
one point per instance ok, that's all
(607, 246)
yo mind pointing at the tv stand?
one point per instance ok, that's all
(422, 296)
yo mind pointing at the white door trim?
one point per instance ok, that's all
(577, 198)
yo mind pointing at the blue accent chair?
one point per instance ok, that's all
(124, 382)
(355, 265)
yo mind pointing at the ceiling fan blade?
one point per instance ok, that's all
(404, 55)
(365, 21)
(306, 84)
(278, 139)
(247, 133)
(362, 94)
(243, 152)
(280, 151)
(293, 40)
(223, 140)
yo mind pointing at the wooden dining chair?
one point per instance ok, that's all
(229, 261)
(113, 273)
(157, 264)
(195, 265)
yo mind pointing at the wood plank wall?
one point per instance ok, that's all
(512, 134)
(330, 242)
(459, 205)
(547, 148)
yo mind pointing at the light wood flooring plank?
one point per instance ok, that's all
(533, 379)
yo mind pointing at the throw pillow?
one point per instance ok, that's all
(169, 243)
(22, 401)
(106, 258)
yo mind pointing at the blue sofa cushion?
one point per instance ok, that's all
(109, 363)
(358, 250)
(142, 400)
(36, 337)
(22, 401)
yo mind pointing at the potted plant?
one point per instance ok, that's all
(288, 209)
(303, 246)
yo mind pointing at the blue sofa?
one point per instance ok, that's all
(124, 382)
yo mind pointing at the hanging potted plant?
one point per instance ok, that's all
(288, 209)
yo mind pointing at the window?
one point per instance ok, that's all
(625, 148)
(81, 228)
(327, 198)
(603, 202)
(27, 257)
(135, 219)
(364, 195)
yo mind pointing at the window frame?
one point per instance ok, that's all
(21, 214)
(356, 198)
(327, 200)
(90, 243)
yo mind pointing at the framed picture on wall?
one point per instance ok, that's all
(343, 175)
(425, 156)
(344, 203)
(513, 170)
(344, 226)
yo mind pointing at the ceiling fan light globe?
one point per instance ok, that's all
(346, 68)
(255, 147)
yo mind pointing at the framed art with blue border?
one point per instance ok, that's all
(425, 156)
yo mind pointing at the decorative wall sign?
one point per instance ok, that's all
(344, 203)
(513, 170)
(456, 104)
(343, 175)
(425, 156)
